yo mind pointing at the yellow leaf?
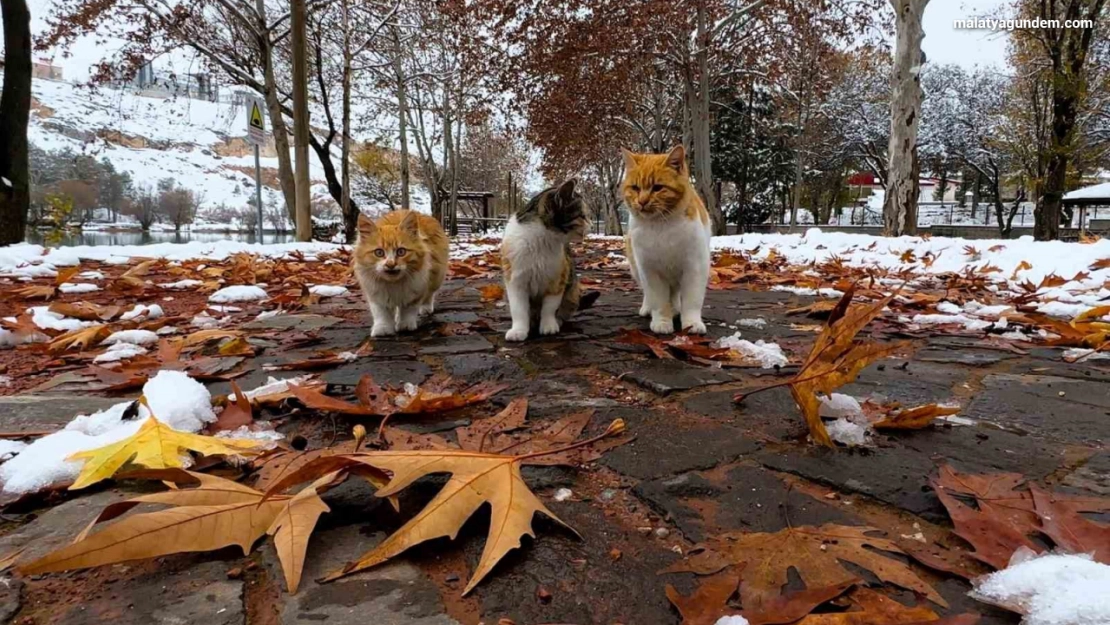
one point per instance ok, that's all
(1090, 314)
(915, 418)
(155, 446)
(476, 479)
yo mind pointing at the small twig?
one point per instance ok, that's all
(616, 427)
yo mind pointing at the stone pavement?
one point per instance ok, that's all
(699, 465)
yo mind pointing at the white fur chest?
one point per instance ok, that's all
(397, 294)
(669, 247)
(535, 254)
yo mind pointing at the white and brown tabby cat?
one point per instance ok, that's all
(540, 280)
(668, 239)
(400, 261)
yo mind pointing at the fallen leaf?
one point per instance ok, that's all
(914, 418)
(492, 292)
(815, 553)
(81, 339)
(476, 479)
(709, 601)
(1002, 522)
(835, 360)
(85, 311)
(872, 608)
(155, 446)
(1062, 520)
(236, 413)
(215, 514)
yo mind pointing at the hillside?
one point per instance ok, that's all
(198, 143)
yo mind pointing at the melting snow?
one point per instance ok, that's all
(1051, 589)
(768, 355)
(241, 293)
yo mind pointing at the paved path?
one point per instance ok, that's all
(699, 466)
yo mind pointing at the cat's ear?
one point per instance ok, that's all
(565, 192)
(629, 159)
(676, 158)
(409, 224)
(366, 226)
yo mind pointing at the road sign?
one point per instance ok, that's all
(256, 122)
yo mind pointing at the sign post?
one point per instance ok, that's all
(256, 136)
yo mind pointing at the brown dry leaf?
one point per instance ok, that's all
(238, 346)
(201, 337)
(80, 339)
(915, 418)
(85, 311)
(41, 291)
(7, 561)
(492, 292)
(872, 608)
(680, 344)
(1062, 520)
(293, 526)
(1003, 522)
(1092, 314)
(235, 414)
(709, 601)
(323, 360)
(215, 514)
(815, 553)
(481, 434)
(835, 359)
(476, 479)
(133, 277)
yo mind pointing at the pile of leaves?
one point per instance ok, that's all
(210, 512)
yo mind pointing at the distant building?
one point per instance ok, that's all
(156, 83)
(862, 183)
(46, 70)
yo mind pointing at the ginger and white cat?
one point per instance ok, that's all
(400, 261)
(668, 239)
(540, 280)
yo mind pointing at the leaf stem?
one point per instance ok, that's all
(616, 427)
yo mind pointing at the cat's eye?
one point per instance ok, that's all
(400, 252)
(656, 188)
(635, 188)
(380, 253)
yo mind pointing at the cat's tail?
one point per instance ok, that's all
(587, 300)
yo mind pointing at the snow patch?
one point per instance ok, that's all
(134, 337)
(328, 290)
(154, 311)
(120, 351)
(240, 293)
(847, 432)
(70, 288)
(768, 355)
(1051, 589)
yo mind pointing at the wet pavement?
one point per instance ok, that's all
(699, 465)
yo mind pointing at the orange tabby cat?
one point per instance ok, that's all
(668, 239)
(400, 261)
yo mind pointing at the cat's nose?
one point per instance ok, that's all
(391, 263)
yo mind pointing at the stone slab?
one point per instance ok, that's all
(304, 323)
(664, 377)
(464, 344)
(482, 366)
(737, 498)
(396, 593)
(665, 446)
(39, 413)
(1053, 407)
(391, 372)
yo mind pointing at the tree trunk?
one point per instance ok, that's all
(301, 131)
(350, 212)
(402, 117)
(900, 203)
(976, 193)
(277, 120)
(15, 110)
(1049, 213)
(703, 157)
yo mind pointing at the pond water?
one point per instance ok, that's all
(94, 237)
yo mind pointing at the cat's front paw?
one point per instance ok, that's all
(381, 329)
(696, 326)
(645, 310)
(549, 326)
(662, 326)
(408, 324)
(516, 335)
(427, 309)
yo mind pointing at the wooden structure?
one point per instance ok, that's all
(1095, 197)
(480, 200)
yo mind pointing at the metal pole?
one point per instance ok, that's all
(258, 190)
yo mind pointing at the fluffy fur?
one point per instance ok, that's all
(540, 279)
(668, 239)
(400, 261)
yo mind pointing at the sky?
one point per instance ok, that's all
(967, 48)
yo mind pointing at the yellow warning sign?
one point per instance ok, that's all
(256, 117)
(256, 122)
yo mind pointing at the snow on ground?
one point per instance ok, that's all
(768, 355)
(1071, 261)
(1050, 589)
(328, 290)
(132, 337)
(241, 293)
(175, 399)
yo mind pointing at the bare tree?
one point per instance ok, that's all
(900, 203)
(15, 111)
